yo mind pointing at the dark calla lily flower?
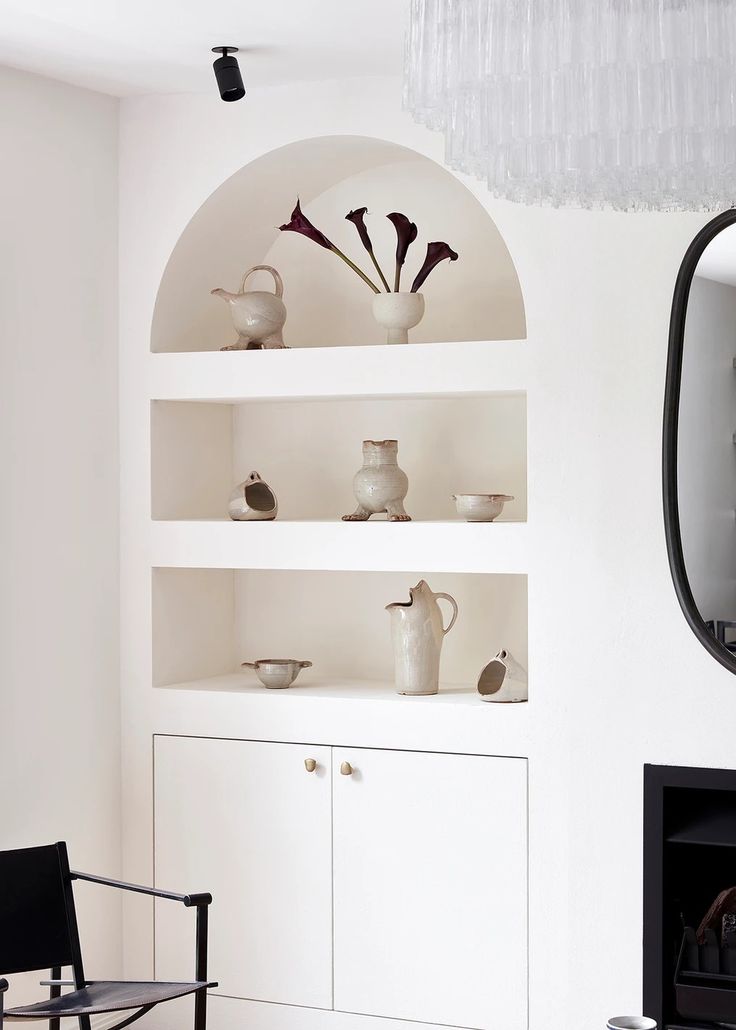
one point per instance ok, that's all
(406, 233)
(357, 217)
(300, 223)
(436, 252)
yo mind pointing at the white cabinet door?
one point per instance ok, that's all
(247, 822)
(430, 887)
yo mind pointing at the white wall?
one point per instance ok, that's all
(59, 668)
(706, 452)
(619, 678)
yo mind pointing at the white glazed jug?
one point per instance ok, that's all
(417, 632)
(258, 316)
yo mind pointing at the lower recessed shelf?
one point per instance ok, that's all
(340, 689)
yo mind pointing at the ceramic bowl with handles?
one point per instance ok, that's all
(480, 507)
(277, 673)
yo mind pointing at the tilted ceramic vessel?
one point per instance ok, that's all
(380, 485)
(503, 680)
(258, 316)
(398, 313)
(277, 673)
(480, 507)
(252, 501)
(417, 632)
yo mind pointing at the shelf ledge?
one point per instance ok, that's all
(475, 368)
(335, 546)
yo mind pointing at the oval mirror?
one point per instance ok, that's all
(699, 445)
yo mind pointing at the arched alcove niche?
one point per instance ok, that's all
(477, 297)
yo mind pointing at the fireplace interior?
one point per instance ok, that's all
(689, 860)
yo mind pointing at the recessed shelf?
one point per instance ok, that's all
(495, 547)
(338, 689)
(368, 712)
(716, 830)
(208, 620)
(318, 373)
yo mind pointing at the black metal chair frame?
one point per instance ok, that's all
(56, 1008)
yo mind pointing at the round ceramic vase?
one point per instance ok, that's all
(380, 485)
(397, 313)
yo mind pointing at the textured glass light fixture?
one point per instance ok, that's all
(588, 103)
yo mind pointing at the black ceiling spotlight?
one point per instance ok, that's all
(227, 73)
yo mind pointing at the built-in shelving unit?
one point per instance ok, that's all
(309, 584)
(441, 776)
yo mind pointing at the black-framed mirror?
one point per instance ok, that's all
(699, 439)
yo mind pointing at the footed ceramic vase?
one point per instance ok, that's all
(417, 632)
(380, 485)
(398, 313)
(503, 680)
(252, 501)
(258, 316)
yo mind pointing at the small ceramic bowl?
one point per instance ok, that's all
(480, 507)
(277, 673)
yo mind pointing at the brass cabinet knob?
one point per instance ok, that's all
(310, 764)
(346, 769)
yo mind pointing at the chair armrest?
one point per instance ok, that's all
(188, 900)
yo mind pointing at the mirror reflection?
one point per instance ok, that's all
(706, 458)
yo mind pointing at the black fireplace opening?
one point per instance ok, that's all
(689, 910)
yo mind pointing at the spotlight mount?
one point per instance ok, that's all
(227, 73)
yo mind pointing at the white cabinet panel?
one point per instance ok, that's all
(430, 887)
(245, 821)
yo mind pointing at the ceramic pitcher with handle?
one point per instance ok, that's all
(258, 316)
(417, 631)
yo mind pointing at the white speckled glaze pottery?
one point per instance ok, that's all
(252, 501)
(397, 313)
(503, 680)
(277, 673)
(480, 507)
(417, 632)
(258, 316)
(380, 485)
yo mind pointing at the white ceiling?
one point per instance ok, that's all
(718, 260)
(126, 47)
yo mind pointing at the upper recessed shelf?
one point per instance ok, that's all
(423, 370)
(477, 297)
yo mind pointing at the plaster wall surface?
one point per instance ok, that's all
(59, 608)
(619, 679)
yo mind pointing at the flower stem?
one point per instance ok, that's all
(378, 269)
(355, 268)
(397, 277)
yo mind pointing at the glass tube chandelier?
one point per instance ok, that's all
(628, 104)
